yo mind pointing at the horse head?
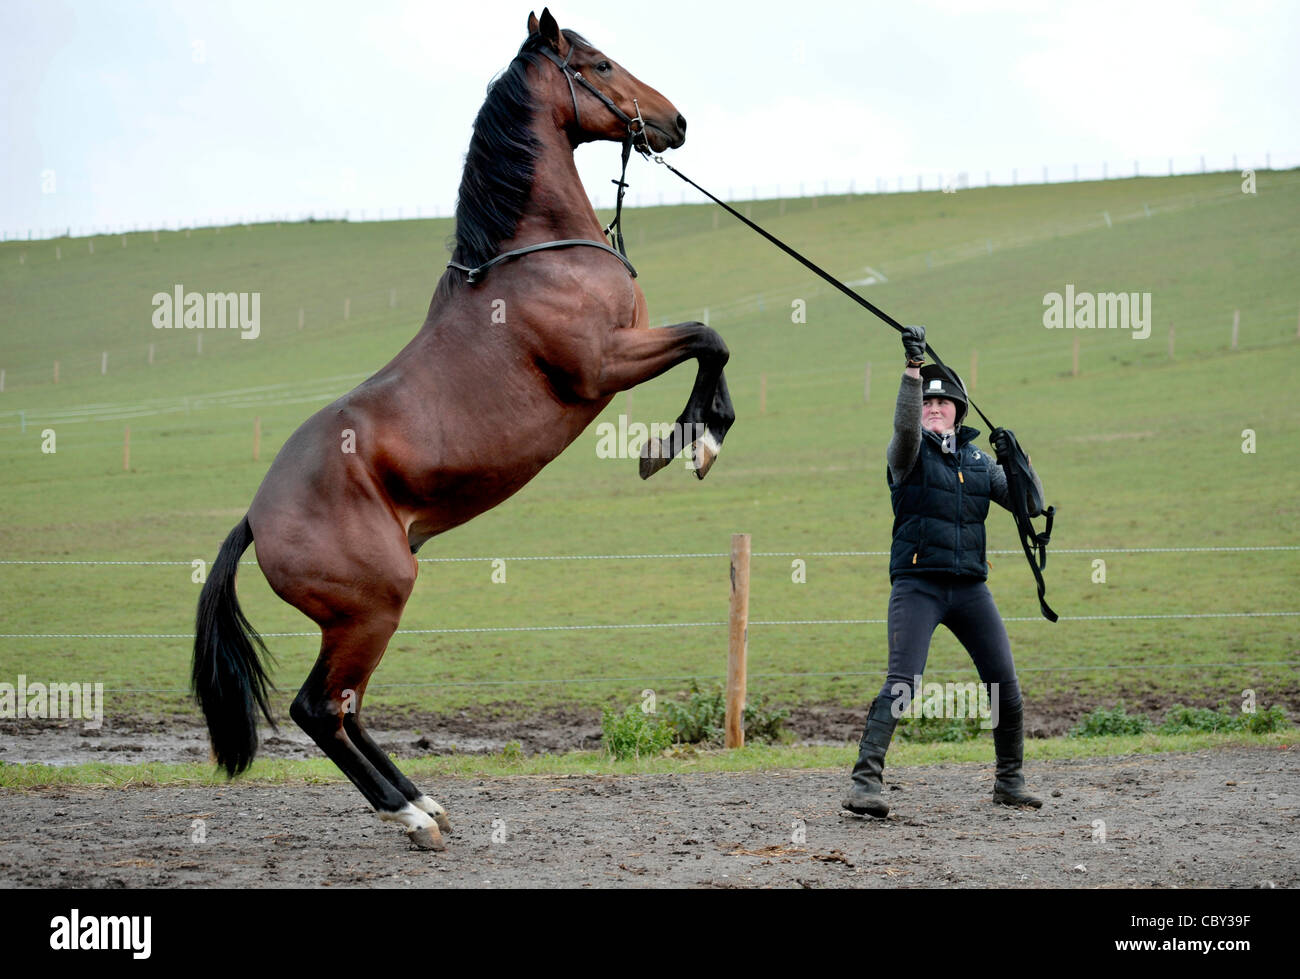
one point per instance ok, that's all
(595, 98)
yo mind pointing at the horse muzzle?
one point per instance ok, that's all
(665, 136)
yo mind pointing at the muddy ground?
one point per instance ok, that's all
(1221, 818)
(126, 738)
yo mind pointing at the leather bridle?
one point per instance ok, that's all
(635, 124)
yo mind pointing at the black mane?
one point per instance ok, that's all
(498, 175)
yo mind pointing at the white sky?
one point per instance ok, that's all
(158, 113)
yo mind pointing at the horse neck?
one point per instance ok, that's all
(558, 206)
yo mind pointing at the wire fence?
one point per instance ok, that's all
(710, 555)
(319, 391)
(646, 625)
(1102, 549)
(719, 625)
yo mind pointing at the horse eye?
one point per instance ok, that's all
(603, 66)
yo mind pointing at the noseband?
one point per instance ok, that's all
(635, 137)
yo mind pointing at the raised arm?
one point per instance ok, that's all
(905, 445)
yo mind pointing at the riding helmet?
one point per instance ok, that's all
(939, 381)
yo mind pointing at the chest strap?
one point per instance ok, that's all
(476, 274)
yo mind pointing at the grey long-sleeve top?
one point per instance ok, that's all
(905, 447)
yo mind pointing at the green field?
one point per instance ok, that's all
(1139, 450)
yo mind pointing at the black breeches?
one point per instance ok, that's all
(918, 604)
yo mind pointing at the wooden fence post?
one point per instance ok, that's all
(739, 641)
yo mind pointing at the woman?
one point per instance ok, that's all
(941, 485)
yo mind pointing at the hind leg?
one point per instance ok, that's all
(385, 766)
(356, 593)
(324, 709)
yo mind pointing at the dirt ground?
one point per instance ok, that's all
(1223, 818)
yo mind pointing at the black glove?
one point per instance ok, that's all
(1000, 439)
(914, 345)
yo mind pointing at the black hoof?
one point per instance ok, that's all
(655, 455)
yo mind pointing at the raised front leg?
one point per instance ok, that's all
(637, 355)
(700, 428)
(717, 420)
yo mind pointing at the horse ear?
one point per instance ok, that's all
(551, 33)
(532, 24)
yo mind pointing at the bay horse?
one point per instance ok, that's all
(517, 355)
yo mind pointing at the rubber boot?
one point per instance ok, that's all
(866, 796)
(1009, 748)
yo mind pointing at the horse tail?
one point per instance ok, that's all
(228, 678)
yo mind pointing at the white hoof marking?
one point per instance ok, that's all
(429, 806)
(408, 816)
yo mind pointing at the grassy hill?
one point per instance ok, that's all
(1139, 450)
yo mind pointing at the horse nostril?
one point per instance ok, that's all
(681, 124)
